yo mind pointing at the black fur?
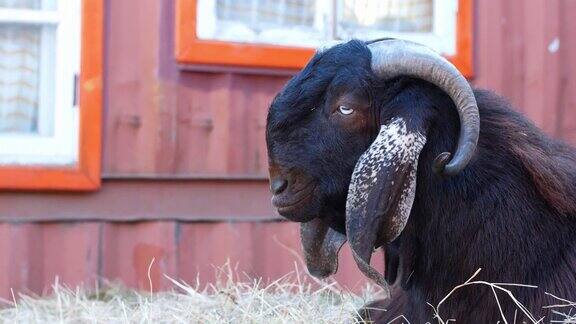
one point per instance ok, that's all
(511, 212)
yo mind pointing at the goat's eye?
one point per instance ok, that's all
(345, 110)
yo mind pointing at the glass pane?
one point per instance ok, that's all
(25, 62)
(362, 16)
(29, 4)
(267, 13)
(294, 22)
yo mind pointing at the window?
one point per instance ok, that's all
(38, 115)
(282, 33)
(49, 106)
(295, 23)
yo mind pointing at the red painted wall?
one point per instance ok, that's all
(166, 122)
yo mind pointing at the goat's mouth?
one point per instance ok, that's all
(298, 206)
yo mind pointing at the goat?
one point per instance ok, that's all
(357, 144)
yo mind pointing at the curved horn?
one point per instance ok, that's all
(394, 57)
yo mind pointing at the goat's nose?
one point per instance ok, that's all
(278, 185)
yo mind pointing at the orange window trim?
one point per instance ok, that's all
(191, 50)
(86, 174)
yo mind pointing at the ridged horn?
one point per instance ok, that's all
(393, 57)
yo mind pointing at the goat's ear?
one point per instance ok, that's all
(321, 245)
(383, 186)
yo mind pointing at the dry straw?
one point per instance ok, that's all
(294, 298)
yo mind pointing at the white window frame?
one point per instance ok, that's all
(442, 38)
(57, 140)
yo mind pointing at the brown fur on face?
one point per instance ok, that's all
(360, 120)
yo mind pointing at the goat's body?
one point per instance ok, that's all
(511, 213)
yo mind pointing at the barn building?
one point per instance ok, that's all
(133, 130)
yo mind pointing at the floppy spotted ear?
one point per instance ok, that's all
(383, 185)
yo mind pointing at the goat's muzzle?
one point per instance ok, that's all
(293, 194)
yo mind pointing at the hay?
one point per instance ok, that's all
(295, 298)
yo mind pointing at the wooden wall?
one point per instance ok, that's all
(162, 119)
(525, 51)
(184, 154)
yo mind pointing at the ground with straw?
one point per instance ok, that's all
(295, 298)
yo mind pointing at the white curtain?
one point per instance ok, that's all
(389, 15)
(20, 46)
(259, 14)
(19, 78)
(288, 22)
(22, 4)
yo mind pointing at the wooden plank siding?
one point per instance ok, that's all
(194, 139)
(163, 119)
(34, 255)
(516, 56)
(129, 200)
